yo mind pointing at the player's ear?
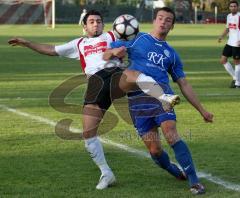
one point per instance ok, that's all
(85, 27)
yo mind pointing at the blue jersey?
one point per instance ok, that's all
(157, 59)
(152, 57)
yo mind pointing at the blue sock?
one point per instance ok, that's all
(183, 156)
(164, 162)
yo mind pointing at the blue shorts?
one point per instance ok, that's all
(147, 112)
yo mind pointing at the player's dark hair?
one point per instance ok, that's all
(91, 12)
(166, 9)
(236, 2)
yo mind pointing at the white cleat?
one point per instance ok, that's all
(169, 101)
(106, 181)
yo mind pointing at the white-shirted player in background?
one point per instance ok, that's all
(83, 14)
(232, 48)
(89, 50)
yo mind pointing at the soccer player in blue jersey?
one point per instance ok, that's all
(150, 54)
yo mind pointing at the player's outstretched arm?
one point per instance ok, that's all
(189, 94)
(38, 47)
(225, 32)
(116, 52)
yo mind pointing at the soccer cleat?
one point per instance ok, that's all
(169, 101)
(237, 87)
(197, 189)
(232, 85)
(106, 181)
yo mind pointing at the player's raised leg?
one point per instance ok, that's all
(148, 85)
(131, 78)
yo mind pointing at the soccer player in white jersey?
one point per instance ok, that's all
(84, 12)
(232, 48)
(89, 50)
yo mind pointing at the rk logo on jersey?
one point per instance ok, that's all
(157, 59)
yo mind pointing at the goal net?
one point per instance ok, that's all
(27, 12)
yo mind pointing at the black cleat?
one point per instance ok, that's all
(232, 85)
(197, 189)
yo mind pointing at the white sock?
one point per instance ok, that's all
(149, 86)
(237, 74)
(94, 147)
(230, 69)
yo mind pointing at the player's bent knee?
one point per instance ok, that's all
(223, 62)
(131, 75)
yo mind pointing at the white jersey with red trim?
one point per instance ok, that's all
(89, 51)
(233, 24)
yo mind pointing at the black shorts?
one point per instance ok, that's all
(230, 51)
(103, 87)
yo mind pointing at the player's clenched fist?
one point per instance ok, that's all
(17, 41)
(207, 116)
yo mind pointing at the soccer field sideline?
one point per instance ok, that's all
(207, 176)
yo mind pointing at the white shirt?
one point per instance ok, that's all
(233, 24)
(89, 51)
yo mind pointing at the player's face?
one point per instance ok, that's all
(233, 7)
(163, 22)
(94, 26)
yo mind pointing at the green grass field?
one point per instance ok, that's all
(35, 162)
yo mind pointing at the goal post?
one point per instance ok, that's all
(53, 13)
(27, 12)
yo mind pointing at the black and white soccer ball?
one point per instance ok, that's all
(125, 27)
